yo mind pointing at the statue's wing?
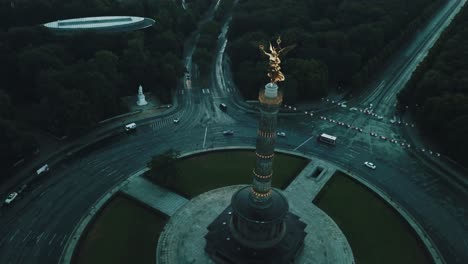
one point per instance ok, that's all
(285, 50)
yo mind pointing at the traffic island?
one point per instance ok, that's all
(376, 232)
(125, 231)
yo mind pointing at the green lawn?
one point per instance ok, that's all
(375, 231)
(204, 172)
(125, 232)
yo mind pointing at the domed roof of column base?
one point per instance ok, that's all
(242, 206)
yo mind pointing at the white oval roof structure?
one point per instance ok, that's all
(101, 24)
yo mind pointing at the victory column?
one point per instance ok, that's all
(258, 219)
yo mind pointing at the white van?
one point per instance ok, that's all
(130, 126)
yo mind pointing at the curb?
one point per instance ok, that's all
(81, 227)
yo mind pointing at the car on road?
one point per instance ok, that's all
(176, 120)
(370, 165)
(281, 134)
(223, 106)
(130, 127)
(353, 109)
(45, 168)
(228, 132)
(383, 138)
(11, 197)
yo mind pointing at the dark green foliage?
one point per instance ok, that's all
(163, 169)
(350, 40)
(14, 146)
(66, 84)
(438, 90)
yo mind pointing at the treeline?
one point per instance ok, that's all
(339, 43)
(437, 92)
(66, 84)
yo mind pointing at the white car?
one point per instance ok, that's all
(45, 168)
(129, 127)
(176, 120)
(370, 165)
(11, 197)
(228, 132)
(281, 134)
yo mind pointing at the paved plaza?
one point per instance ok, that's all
(182, 240)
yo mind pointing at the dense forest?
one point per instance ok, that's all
(339, 42)
(438, 91)
(64, 85)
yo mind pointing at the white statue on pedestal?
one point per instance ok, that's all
(141, 97)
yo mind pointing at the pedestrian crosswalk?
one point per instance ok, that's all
(158, 124)
(207, 91)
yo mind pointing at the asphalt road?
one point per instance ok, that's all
(35, 228)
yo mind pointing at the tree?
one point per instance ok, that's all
(163, 168)
(6, 109)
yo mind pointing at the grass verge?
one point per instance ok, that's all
(376, 232)
(200, 173)
(125, 231)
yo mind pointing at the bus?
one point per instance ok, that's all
(329, 139)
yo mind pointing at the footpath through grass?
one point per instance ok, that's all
(200, 173)
(375, 231)
(124, 232)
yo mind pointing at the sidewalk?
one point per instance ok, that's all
(52, 155)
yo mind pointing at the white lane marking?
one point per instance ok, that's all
(307, 140)
(13, 236)
(52, 239)
(26, 237)
(63, 240)
(204, 139)
(39, 237)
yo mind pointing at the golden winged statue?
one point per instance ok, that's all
(274, 55)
